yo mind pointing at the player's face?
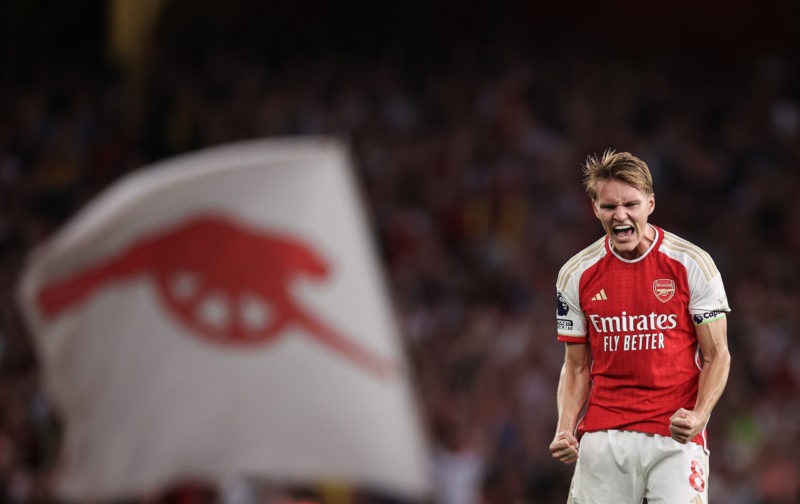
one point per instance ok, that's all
(623, 210)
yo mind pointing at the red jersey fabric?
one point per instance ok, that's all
(638, 317)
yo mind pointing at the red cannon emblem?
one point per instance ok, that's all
(227, 284)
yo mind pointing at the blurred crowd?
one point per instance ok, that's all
(470, 167)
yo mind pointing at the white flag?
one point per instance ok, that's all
(223, 313)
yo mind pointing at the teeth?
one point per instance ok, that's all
(621, 228)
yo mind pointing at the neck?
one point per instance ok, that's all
(643, 246)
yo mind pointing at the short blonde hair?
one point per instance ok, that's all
(613, 165)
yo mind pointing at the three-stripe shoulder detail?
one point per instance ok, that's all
(594, 251)
(698, 255)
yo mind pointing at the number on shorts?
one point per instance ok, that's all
(696, 477)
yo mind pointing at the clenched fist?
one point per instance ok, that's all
(565, 447)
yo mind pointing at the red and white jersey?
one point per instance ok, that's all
(639, 318)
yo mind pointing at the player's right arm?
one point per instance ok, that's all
(573, 391)
(574, 383)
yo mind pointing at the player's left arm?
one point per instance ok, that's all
(713, 338)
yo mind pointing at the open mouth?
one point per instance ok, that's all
(623, 232)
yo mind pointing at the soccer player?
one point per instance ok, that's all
(643, 315)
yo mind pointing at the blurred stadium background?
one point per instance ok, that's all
(468, 125)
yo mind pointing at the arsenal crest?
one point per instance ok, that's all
(664, 289)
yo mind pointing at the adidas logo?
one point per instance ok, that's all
(600, 296)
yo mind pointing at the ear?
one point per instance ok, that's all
(651, 204)
(595, 209)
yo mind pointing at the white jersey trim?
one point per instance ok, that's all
(572, 322)
(581, 262)
(707, 294)
(678, 246)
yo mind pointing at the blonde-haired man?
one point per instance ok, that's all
(643, 315)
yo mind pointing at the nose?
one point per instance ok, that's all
(619, 213)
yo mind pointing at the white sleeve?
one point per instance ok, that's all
(570, 320)
(707, 298)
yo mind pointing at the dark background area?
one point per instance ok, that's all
(60, 34)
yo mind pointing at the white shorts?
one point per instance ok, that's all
(619, 467)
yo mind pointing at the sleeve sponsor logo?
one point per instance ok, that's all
(701, 318)
(562, 309)
(564, 324)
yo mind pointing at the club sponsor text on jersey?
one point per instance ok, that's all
(653, 339)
